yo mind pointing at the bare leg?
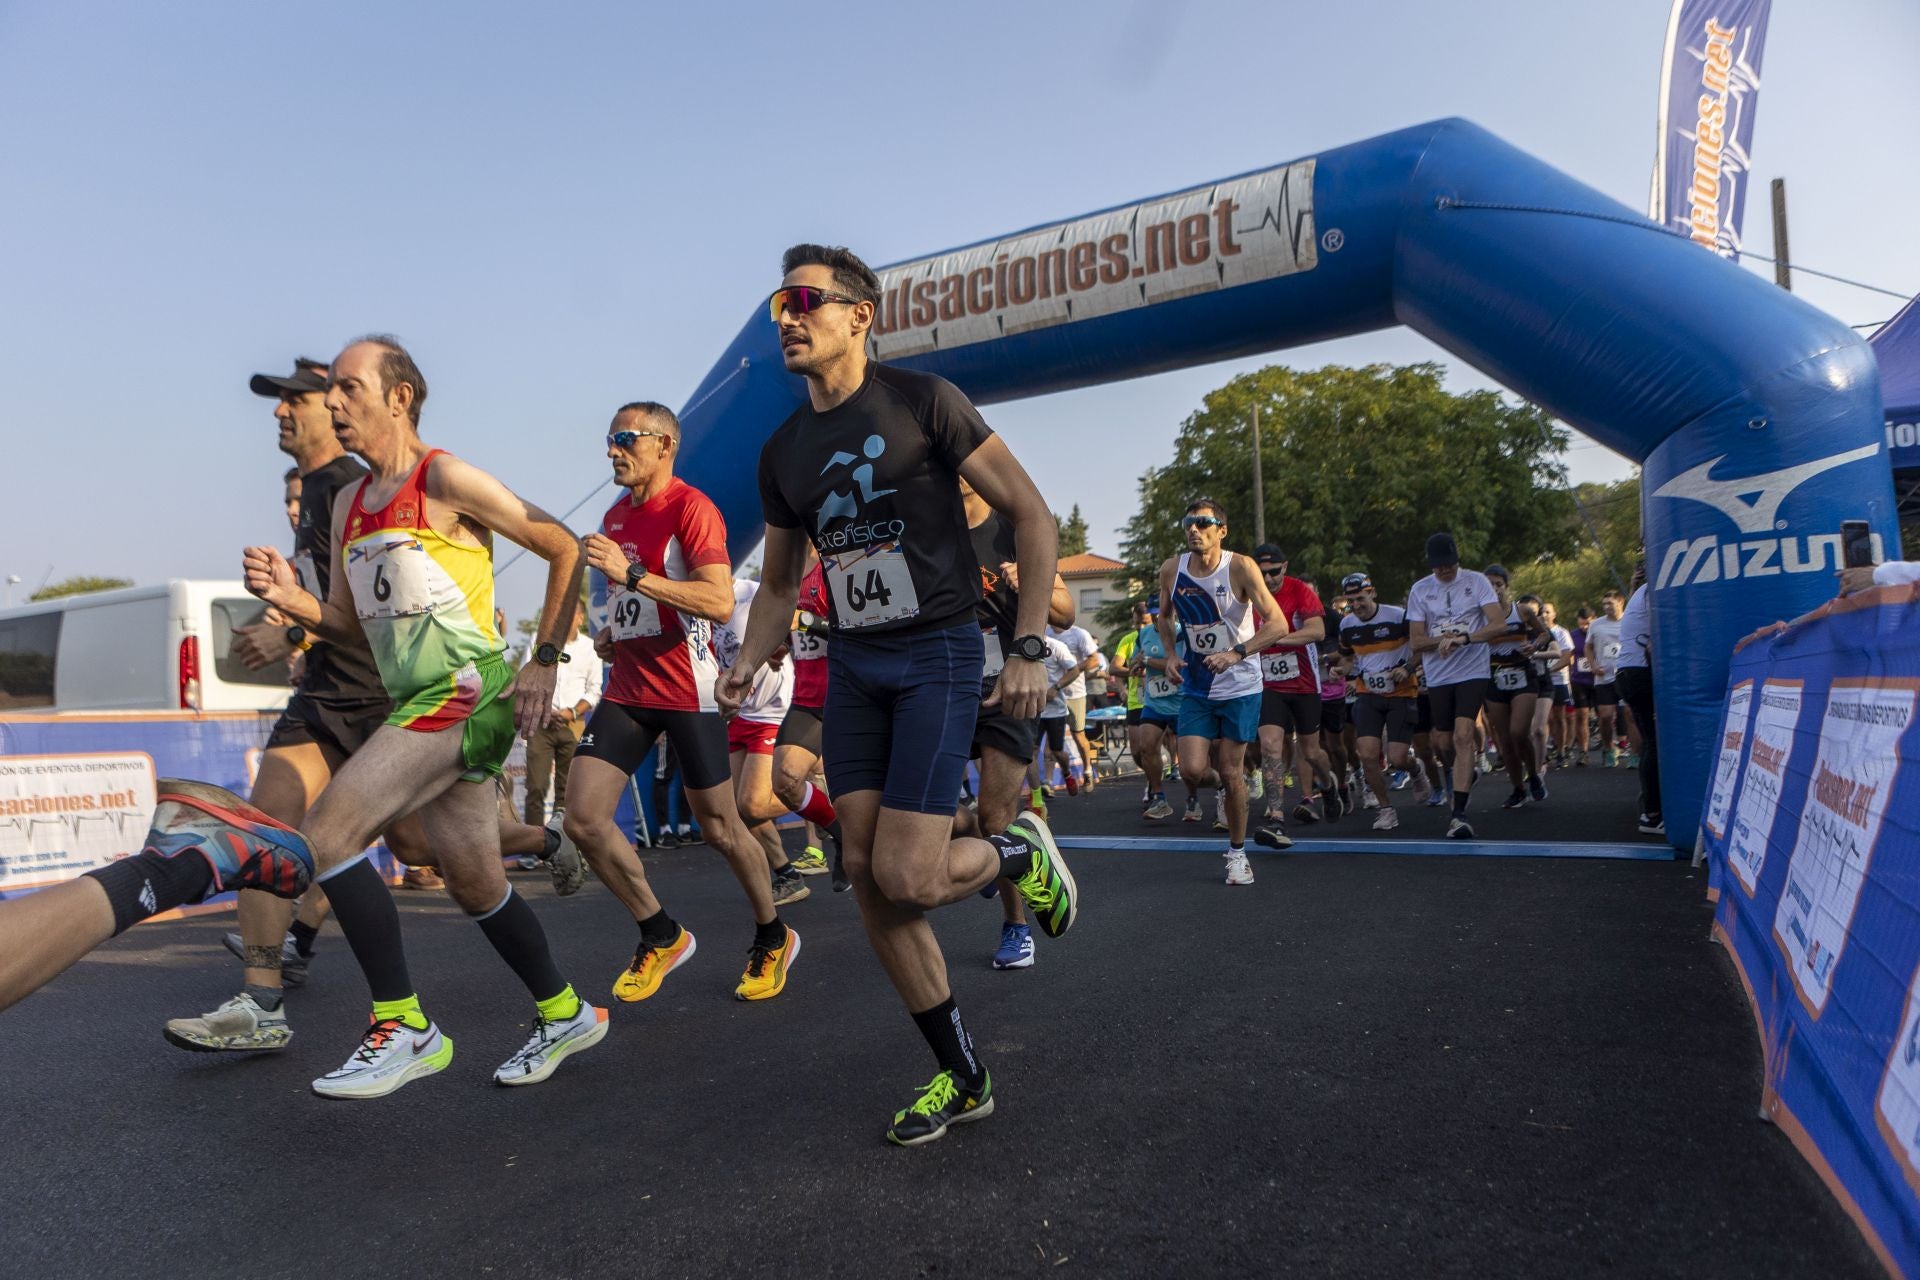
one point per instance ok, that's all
(290, 779)
(753, 795)
(1273, 761)
(42, 934)
(1230, 761)
(594, 788)
(1370, 769)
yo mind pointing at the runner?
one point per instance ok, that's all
(1553, 714)
(1086, 653)
(750, 739)
(1603, 659)
(1451, 614)
(1513, 692)
(415, 539)
(1148, 719)
(1215, 595)
(1580, 684)
(1055, 723)
(1374, 636)
(868, 470)
(337, 704)
(797, 782)
(1334, 727)
(663, 549)
(1635, 677)
(1290, 705)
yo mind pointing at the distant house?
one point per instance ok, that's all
(1093, 581)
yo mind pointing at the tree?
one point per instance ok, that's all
(1358, 467)
(1073, 533)
(79, 585)
(1609, 512)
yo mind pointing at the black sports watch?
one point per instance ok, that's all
(1030, 647)
(548, 655)
(297, 637)
(635, 572)
(1240, 649)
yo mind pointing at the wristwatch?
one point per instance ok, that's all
(550, 656)
(297, 637)
(1240, 649)
(1030, 647)
(635, 572)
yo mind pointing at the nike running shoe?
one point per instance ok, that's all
(943, 1101)
(1537, 787)
(246, 848)
(1304, 812)
(1518, 798)
(811, 862)
(1386, 819)
(1192, 811)
(390, 1054)
(1459, 829)
(566, 866)
(1274, 837)
(651, 965)
(1239, 870)
(1397, 779)
(550, 1043)
(1047, 888)
(1016, 947)
(1158, 809)
(766, 975)
(1220, 810)
(238, 1026)
(1436, 798)
(789, 887)
(293, 965)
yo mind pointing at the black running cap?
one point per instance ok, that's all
(1354, 582)
(1441, 552)
(1497, 571)
(1267, 552)
(308, 375)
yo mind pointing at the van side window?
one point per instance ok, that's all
(230, 612)
(27, 649)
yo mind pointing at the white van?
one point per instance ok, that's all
(159, 648)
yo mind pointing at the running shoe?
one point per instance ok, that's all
(651, 965)
(1047, 888)
(1239, 870)
(943, 1101)
(1518, 798)
(1276, 812)
(1256, 785)
(1192, 813)
(425, 879)
(811, 862)
(246, 848)
(665, 839)
(1386, 819)
(766, 975)
(1397, 779)
(1653, 824)
(1073, 788)
(1609, 757)
(1368, 800)
(1422, 789)
(1016, 947)
(1436, 798)
(550, 1043)
(390, 1054)
(293, 965)
(1220, 810)
(1339, 804)
(1580, 760)
(1159, 809)
(566, 866)
(1304, 813)
(840, 882)
(1459, 829)
(1633, 760)
(1274, 837)
(1537, 787)
(239, 1026)
(789, 887)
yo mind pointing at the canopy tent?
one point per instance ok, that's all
(1897, 348)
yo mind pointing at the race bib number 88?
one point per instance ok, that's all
(872, 588)
(1379, 682)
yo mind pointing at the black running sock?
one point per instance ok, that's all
(952, 1046)
(303, 936)
(553, 845)
(772, 934)
(268, 998)
(659, 929)
(1016, 855)
(1459, 804)
(516, 934)
(368, 917)
(147, 884)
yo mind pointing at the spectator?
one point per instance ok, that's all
(1086, 653)
(1634, 675)
(1581, 684)
(1893, 573)
(550, 748)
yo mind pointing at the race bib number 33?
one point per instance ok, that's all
(871, 588)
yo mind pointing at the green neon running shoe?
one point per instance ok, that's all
(943, 1101)
(1047, 887)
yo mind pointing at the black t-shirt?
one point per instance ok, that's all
(875, 484)
(999, 603)
(334, 673)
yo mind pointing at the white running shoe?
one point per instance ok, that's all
(1158, 809)
(240, 1025)
(1421, 787)
(541, 1055)
(1459, 829)
(567, 867)
(390, 1054)
(1368, 800)
(1256, 784)
(1220, 811)
(1387, 820)
(1239, 870)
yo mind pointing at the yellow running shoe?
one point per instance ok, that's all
(650, 967)
(813, 862)
(766, 974)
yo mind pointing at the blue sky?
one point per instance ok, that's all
(563, 208)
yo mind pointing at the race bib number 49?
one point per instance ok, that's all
(871, 588)
(633, 616)
(1279, 667)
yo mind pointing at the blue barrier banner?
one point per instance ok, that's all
(1812, 832)
(1709, 87)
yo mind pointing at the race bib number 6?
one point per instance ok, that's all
(1208, 640)
(871, 588)
(392, 577)
(1277, 667)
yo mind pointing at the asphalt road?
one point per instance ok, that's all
(1360, 1066)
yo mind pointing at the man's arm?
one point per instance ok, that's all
(770, 616)
(271, 578)
(1495, 617)
(1312, 631)
(1418, 639)
(996, 475)
(1059, 604)
(708, 593)
(1252, 588)
(1163, 624)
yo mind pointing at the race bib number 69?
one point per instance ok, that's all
(1212, 639)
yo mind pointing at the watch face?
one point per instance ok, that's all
(1032, 648)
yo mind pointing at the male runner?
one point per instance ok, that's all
(1216, 593)
(750, 737)
(1635, 677)
(868, 469)
(1375, 635)
(1160, 713)
(1580, 681)
(1290, 706)
(1087, 657)
(1603, 659)
(798, 784)
(415, 538)
(1130, 658)
(1553, 715)
(1451, 614)
(663, 548)
(1513, 691)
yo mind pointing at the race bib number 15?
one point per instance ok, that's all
(872, 588)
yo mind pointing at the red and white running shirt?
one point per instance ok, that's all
(663, 658)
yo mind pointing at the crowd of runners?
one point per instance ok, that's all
(888, 645)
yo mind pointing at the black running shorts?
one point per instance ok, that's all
(1012, 738)
(1454, 702)
(1294, 712)
(1333, 716)
(622, 736)
(800, 728)
(1054, 730)
(341, 729)
(1390, 719)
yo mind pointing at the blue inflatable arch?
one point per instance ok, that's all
(1757, 417)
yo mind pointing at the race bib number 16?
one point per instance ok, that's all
(871, 588)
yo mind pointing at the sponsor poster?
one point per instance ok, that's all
(1896, 1108)
(1732, 737)
(1774, 725)
(1709, 88)
(61, 815)
(1854, 771)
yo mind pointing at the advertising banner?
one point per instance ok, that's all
(1709, 87)
(1818, 865)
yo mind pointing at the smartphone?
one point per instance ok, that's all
(1856, 544)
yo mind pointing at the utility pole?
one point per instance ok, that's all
(1782, 270)
(1259, 500)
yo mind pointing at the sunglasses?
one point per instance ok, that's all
(627, 439)
(1202, 522)
(801, 299)
(1275, 571)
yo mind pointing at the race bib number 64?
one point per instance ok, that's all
(872, 587)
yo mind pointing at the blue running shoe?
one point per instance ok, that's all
(1016, 948)
(245, 848)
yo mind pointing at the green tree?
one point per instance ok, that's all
(1608, 512)
(79, 585)
(1073, 533)
(1358, 467)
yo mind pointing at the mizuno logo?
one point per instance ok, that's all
(1753, 502)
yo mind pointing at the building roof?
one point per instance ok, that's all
(1088, 565)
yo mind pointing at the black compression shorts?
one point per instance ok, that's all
(622, 736)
